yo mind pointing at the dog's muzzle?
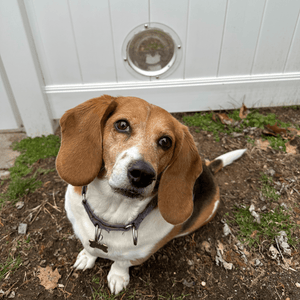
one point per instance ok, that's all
(140, 174)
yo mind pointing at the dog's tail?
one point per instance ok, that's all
(224, 160)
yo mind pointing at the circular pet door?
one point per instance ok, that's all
(152, 50)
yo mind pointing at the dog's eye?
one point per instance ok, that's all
(165, 143)
(122, 126)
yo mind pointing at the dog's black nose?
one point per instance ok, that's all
(141, 174)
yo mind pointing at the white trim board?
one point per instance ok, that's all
(188, 95)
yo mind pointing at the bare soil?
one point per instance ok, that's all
(183, 269)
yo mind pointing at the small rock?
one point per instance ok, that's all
(271, 172)
(190, 262)
(206, 246)
(19, 204)
(264, 208)
(297, 284)
(22, 229)
(254, 214)
(188, 284)
(274, 252)
(257, 263)
(227, 266)
(12, 295)
(226, 229)
(203, 283)
(4, 174)
(2, 292)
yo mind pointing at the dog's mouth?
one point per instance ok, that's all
(130, 193)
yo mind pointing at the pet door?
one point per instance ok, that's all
(152, 50)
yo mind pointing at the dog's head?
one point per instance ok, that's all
(138, 147)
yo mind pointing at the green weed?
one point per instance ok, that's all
(252, 233)
(96, 280)
(267, 189)
(10, 265)
(22, 178)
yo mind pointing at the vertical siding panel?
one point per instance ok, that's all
(240, 36)
(293, 59)
(276, 35)
(125, 16)
(40, 47)
(54, 24)
(175, 16)
(204, 37)
(93, 39)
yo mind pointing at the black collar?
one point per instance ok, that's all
(134, 225)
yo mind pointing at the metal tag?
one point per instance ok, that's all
(97, 245)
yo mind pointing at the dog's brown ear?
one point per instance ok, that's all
(80, 156)
(175, 192)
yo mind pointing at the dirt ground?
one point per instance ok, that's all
(184, 268)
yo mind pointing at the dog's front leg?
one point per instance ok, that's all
(118, 276)
(84, 260)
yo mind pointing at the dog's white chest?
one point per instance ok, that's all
(120, 244)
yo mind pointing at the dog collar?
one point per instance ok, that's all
(134, 225)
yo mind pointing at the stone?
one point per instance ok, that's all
(22, 229)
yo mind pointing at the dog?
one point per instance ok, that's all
(136, 181)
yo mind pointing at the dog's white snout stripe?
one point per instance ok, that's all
(119, 176)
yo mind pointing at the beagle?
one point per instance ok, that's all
(136, 181)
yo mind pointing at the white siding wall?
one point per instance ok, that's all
(232, 50)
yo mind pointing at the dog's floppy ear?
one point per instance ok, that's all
(175, 192)
(80, 155)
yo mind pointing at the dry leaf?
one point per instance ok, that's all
(290, 149)
(253, 234)
(293, 146)
(262, 144)
(214, 118)
(294, 131)
(225, 119)
(243, 112)
(275, 130)
(48, 277)
(220, 247)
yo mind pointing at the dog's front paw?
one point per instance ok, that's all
(84, 261)
(118, 278)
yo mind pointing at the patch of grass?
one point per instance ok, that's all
(22, 178)
(277, 143)
(254, 119)
(101, 294)
(294, 107)
(33, 149)
(10, 265)
(20, 186)
(96, 280)
(252, 233)
(267, 189)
